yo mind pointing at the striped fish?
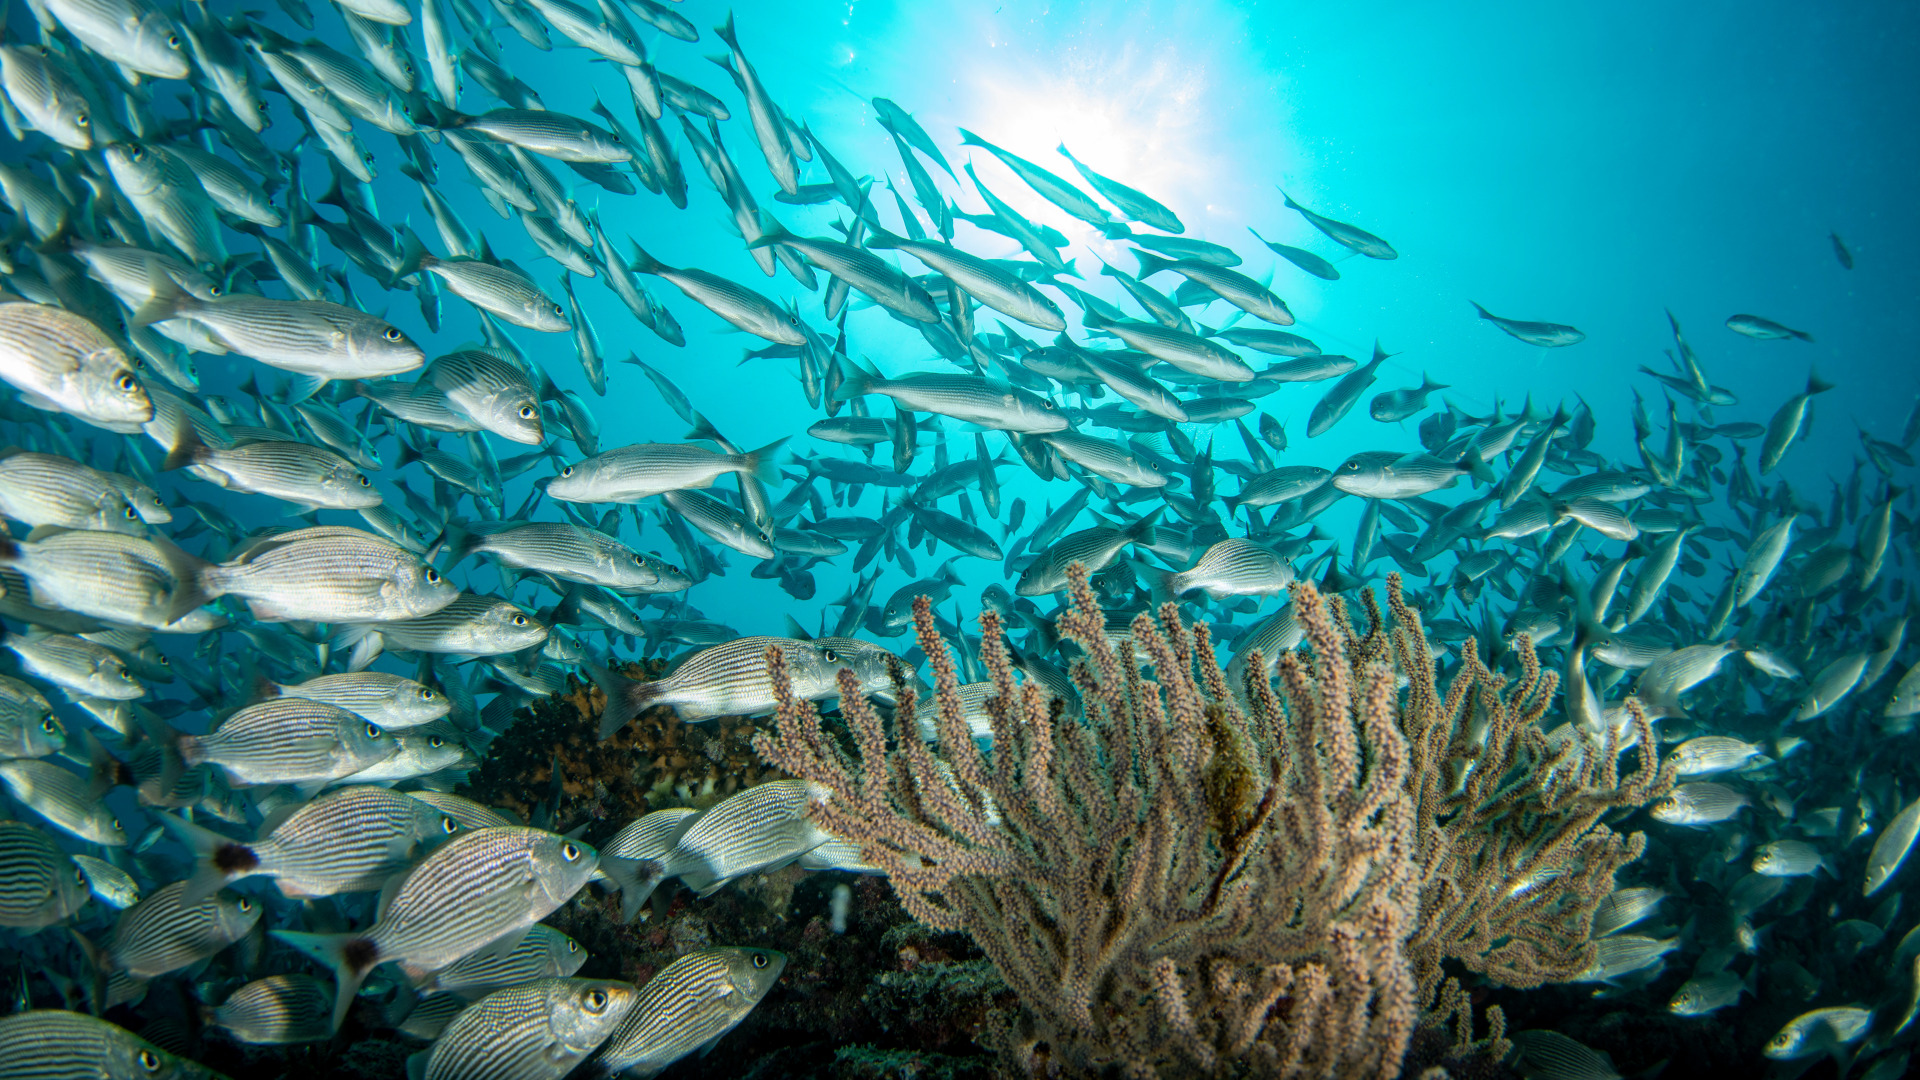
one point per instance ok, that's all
(543, 953)
(330, 574)
(310, 476)
(480, 888)
(730, 679)
(470, 814)
(762, 828)
(350, 840)
(427, 1018)
(28, 728)
(690, 1004)
(534, 1032)
(162, 934)
(491, 388)
(52, 1044)
(290, 741)
(47, 489)
(39, 884)
(109, 575)
(276, 1010)
(1096, 548)
(67, 800)
(392, 701)
(431, 748)
(62, 362)
(631, 473)
(652, 835)
(1232, 567)
(725, 523)
(473, 625)
(76, 664)
(574, 553)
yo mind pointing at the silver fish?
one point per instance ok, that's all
(63, 798)
(63, 363)
(330, 574)
(1351, 237)
(1697, 804)
(493, 389)
(1763, 558)
(45, 1044)
(1096, 548)
(1547, 335)
(76, 665)
(1763, 329)
(473, 625)
(108, 883)
(1890, 850)
(574, 553)
(289, 741)
(1233, 567)
(1818, 1032)
(1703, 995)
(1787, 424)
(544, 953)
(731, 679)
(631, 473)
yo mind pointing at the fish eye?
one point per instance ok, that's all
(117, 827)
(568, 471)
(246, 905)
(449, 826)
(426, 693)
(126, 381)
(216, 290)
(432, 576)
(48, 725)
(80, 877)
(148, 1060)
(558, 310)
(596, 1000)
(573, 946)
(526, 412)
(132, 514)
(570, 851)
(519, 620)
(393, 334)
(373, 730)
(139, 153)
(830, 656)
(80, 120)
(364, 482)
(436, 742)
(173, 41)
(759, 960)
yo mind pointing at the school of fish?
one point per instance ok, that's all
(191, 184)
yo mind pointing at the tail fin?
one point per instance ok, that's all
(1484, 313)
(1142, 531)
(635, 878)
(1291, 205)
(626, 698)
(189, 575)
(1159, 582)
(187, 448)
(168, 301)
(643, 263)
(350, 956)
(855, 381)
(763, 463)
(1817, 385)
(217, 860)
(727, 33)
(1150, 264)
(968, 138)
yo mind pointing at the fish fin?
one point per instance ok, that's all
(764, 463)
(350, 956)
(1815, 384)
(417, 1064)
(635, 878)
(188, 448)
(626, 698)
(1150, 264)
(856, 381)
(367, 642)
(189, 573)
(217, 859)
(1484, 313)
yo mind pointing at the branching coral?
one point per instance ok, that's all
(1182, 879)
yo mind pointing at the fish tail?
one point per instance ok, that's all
(1803, 335)
(218, 860)
(367, 642)
(1160, 583)
(350, 956)
(1150, 264)
(413, 258)
(1816, 384)
(1142, 531)
(626, 698)
(1291, 205)
(1484, 313)
(100, 964)
(635, 878)
(763, 464)
(643, 263)
(168, 301)
(855, 381)
(968, 138)
(728, 34)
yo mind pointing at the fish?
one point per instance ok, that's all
(331, 574)
(541, 1029)
(970, 398)
(1788, 423)
(60, 362)
(543, 953)
(1130, 201)
(1891, 848)
(1351, 237)
(732, 679)
(1547, 335)
(1232, 567)
(765, 827)
(1707, 755)
(53, 1043)
(1760, 329)
(108, 883)
(41, 884)
(475, 889)
(1049, 186)
(1818, 1032)
(690, 1003)
(1095, 548)
(1762, 560)
(1841, 251)
(1704, 995)
(393, 702)
(1786, 858)
(275, 1011)
(63, 799)
(1396, 405)
(289, 740)
(1329, 410)
(1699, 803)
(163, 933)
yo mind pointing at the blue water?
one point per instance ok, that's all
(1591, 168)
